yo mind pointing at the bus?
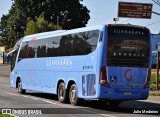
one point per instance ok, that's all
(108, 63)
(154, 55)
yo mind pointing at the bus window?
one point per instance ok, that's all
(13, 59)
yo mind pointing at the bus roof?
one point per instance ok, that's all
(66, 32)
(60, 32)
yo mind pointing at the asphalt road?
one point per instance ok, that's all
(36, 103)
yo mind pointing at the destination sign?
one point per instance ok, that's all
(135, 10)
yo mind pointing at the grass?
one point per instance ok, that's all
(153, 90)
(5, 115)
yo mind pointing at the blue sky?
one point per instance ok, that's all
(103, 12)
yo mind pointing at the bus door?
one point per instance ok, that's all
(13, 72)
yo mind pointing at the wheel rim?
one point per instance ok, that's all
(61, 93)
(19, 86)
(73, 96)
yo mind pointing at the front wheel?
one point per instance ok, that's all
(20, 90)
(73, 95)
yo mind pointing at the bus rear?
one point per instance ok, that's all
(125, 74)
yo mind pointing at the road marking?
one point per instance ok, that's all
(107, 115)
(91, 112)
(48, 101)
(10, 93)
(30, 97)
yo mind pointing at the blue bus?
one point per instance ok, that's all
(154, 55)
(108, 63)
(154, 59)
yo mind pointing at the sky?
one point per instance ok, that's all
(103, 12)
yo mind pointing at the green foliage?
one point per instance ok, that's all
(5, 115)
(68, 14)
(152, 87)
(153, 81)
(41, 25)
(31, 28)
(0, 41)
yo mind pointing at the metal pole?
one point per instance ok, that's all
(155, 13)
(3, 56)
(57, 22)
(157, 70)
(115, 19)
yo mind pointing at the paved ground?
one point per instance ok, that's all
(154, 98)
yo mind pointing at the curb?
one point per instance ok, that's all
(154, 99)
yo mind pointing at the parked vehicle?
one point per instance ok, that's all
(154, 55)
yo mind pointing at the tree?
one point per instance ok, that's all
(68, 14)
(71, 13)
(31, 28)
(41, 25)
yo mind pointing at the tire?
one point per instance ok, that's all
(114, 102)
(62, 93)
(20, 90)
(73, 95)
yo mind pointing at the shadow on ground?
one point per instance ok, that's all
(127, 107)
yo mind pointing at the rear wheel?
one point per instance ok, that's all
(20, 90)
(62, 93)
(114, 102)
(73, 95)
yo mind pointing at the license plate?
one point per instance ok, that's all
(127, 93)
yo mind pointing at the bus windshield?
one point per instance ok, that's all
(128, 46)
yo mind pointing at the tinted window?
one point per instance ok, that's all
(66, 45)
(42, 48)
(31, 49)
(14, 56)
(128, 46)
(53, 46)
(79, 44)
(23, 51)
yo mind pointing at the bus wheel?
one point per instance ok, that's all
(73, 95)
(20, 90)
(114, 102)
(61, 93)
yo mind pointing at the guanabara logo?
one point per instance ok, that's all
(58, 62)
(125, 31)
(128, 75)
